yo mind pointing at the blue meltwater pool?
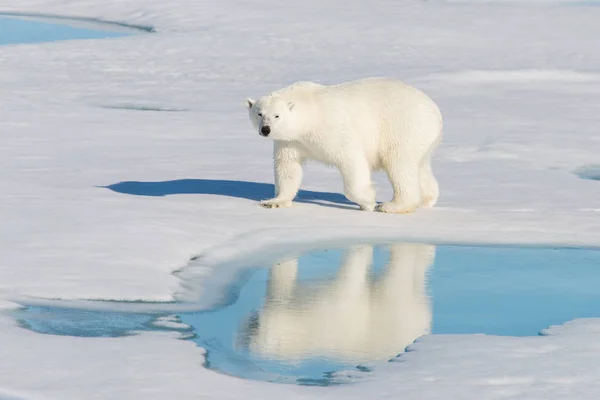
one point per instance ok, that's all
(322, 316)
(24, 30)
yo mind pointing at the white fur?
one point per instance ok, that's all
(350, 317)
(359, 127)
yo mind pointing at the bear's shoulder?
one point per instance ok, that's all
(306, 85)
(300, 87)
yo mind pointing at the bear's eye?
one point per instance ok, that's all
(259, 114)
(277, 116)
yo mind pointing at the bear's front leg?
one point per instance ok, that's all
(358, 188)
(288, 175)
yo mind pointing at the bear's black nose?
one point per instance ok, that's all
(265, 130)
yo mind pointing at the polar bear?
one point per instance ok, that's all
(352, 317)
(359, 127)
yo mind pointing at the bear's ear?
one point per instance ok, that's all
(291, 106)
(249, 103)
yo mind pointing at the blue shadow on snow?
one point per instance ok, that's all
(255, 191)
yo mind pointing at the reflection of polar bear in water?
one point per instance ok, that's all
(352, 318)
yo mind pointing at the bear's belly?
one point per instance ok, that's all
(319, 154)
(336, 154)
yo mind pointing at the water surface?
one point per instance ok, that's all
(27, 31)
(326, 315)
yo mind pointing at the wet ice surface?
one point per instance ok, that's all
(591, 172)
(330, 316)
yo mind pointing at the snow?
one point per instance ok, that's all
(517, 83)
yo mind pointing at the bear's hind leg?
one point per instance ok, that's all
(403, 174)
(429, 185)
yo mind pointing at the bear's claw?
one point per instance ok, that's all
(274, 204)
(395, 208)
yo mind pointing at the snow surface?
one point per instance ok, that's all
(519, 88)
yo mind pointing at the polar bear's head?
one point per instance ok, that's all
(273, 116)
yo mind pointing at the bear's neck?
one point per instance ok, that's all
(311, 121)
